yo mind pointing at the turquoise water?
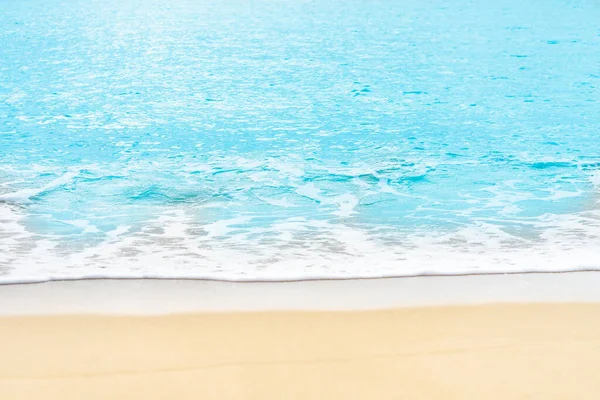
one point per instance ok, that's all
(294, 139)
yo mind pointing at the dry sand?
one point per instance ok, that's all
(503, 351)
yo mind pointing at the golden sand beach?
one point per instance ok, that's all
(487, 351)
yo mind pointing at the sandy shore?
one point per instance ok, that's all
(518, 351)
(160, 296)
(514, 350)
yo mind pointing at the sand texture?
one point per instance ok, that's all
(511, 351)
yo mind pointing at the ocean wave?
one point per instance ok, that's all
(24, 196)
(176, 246)
(297, 139)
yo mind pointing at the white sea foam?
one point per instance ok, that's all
(199, 241)
(176, 246)
(23, 196)
(595, 179)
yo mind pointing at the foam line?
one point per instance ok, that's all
(24, 195)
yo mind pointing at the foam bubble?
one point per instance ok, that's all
(24, 195)
(176, 246)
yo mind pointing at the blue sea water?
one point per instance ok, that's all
(286, 139)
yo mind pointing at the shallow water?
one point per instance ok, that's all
(293, 139)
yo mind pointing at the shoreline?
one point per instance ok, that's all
(291, 279)
(173, 296)
(526, 336)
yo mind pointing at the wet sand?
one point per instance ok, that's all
(489, 351)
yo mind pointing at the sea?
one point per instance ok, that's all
(298, 139)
